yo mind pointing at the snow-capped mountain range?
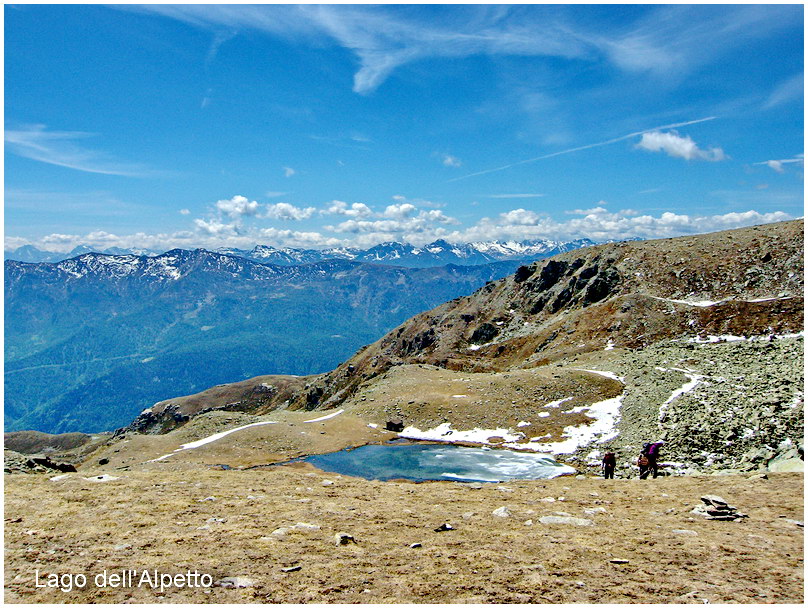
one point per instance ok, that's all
(437, 253)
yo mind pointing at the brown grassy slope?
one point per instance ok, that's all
(221, 523)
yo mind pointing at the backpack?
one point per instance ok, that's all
(653, 450)
(643, 461)
(609, 459)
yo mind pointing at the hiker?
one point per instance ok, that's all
(644, 463)
(608, 464)
(653, 456)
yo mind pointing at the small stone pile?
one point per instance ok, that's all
(717, 509)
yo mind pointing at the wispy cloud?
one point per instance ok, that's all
(664, 41)
(792, 89)
(60, 148)
(451, 161)
(777, 165)
(585, 147)
(288, 172)
(525, 195)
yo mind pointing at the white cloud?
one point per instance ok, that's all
(59, 148)
(451, 161)
(596, 223)
(777, 165)
(237, 207)
(185, 211)
(285, 211)
(599, 224)
(288, 172)
(215, 227)
(402, 226)
(677, 146)
(400, 210)
(357, 210)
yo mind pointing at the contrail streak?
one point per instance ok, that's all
(586, 147)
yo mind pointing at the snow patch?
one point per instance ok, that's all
(215, 437)
(606, 414)
(337, 413)
(611, 375)
(559, 402)
(444, 432)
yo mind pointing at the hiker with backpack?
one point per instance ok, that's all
(653, 456)
(609, 464)
(648, 460)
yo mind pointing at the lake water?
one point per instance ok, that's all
(425, 462)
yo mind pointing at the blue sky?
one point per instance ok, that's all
(313, 126)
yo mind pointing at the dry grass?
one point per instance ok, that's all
(159, 519)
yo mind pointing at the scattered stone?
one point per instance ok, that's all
(101, 478)
(291, 569)
(548, 499)
(444, 528)
(717, 509)
(208, 498)
(796, 522)
(415, 546)
(560, 519)
(595, 511)
(327, 482)
(122, 547)
(501, 512)
(529, 522)
(758, 476)
(685, 532)
(468, 514)
(103, 461)
(305, 527)
(235, 582)
(474, 486)
(343, 539)
(618, 561)
(280, 532)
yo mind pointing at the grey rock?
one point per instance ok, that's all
(501, 512)
(235, 582)
(570, 521)
(343, 539)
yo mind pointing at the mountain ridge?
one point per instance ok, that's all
(437, 253)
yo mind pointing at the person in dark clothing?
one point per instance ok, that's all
(609, 464)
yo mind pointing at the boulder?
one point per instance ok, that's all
(343, 539)
(501, 512)
(395, 425)
(788, 465)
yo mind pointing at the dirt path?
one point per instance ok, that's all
(224, 523)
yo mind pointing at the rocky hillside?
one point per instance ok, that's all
(689, 328)
(621, 295)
